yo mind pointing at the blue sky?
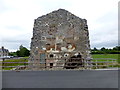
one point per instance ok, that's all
(17, 19)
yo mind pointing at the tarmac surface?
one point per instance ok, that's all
(60, 79)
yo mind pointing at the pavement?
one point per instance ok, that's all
(60, 79)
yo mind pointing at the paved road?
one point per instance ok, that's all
(60, 79)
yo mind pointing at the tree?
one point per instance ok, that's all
(117, 48)
(95, 49)
(23, 51)
(102, 49)
(12, 53)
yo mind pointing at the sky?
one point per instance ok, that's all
(17, 20)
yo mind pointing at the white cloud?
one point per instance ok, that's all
(17, 18)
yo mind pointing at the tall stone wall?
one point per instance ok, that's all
(57, 35)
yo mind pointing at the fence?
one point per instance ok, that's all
(93, 64)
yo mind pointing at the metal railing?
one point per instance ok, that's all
(92, 64)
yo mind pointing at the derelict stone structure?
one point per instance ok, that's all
(59, 38)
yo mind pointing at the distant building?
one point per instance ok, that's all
(3, 52)
(60, 39)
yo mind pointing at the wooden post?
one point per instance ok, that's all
(24, 63)
(3, 63)
(96, 64)
(107, 63)
(112, 62)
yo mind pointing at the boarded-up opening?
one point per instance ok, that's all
(74, 62)
(42, 57)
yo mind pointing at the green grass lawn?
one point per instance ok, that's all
(14, 64)
(113, 56)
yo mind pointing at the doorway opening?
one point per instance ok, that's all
(51, 65)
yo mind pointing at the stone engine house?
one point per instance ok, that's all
(60, 40)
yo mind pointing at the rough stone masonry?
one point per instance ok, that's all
(60, 40)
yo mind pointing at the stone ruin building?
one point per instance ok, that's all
(60, 40)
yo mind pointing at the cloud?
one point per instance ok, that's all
(17, 19)
(107, 44)
(14, 42)
(105, 32)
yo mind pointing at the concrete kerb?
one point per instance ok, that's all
(108, 69)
